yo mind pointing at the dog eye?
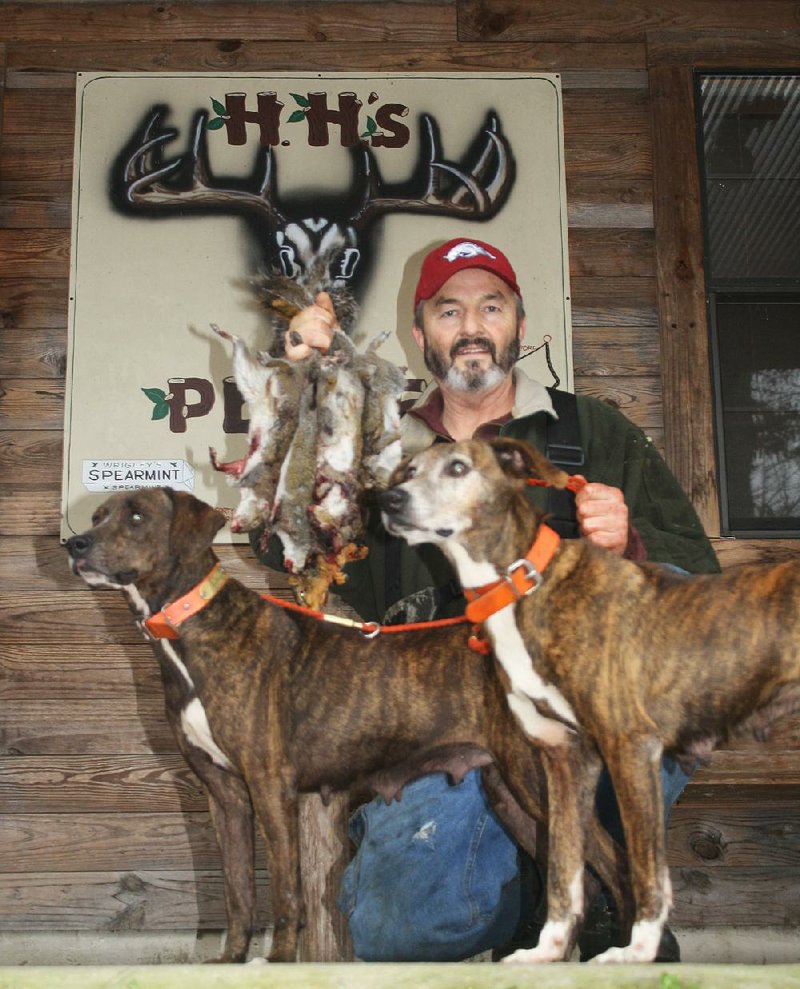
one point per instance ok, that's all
(136, 518)
(457, 468)
(410, 472)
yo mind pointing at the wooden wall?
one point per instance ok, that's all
(103, 828)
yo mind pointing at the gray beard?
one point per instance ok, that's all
(475, 378)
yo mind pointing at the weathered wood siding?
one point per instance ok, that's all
(103, 828)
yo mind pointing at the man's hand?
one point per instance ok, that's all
(311, 329)
(603, 516)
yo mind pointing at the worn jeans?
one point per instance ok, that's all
(435, 877)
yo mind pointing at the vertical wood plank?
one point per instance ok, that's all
(324, 853)
(685, 365)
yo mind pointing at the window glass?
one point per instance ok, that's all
(751, 143)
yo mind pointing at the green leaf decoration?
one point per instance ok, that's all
(216, 123)
(219, 108)
(160, 403)
(297, 115)
(371, 128)
(300, 99)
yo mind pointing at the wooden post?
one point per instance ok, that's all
(324, 853)
(686, 372)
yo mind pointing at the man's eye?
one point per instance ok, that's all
(457, 468)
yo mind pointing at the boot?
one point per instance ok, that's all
(601, 930)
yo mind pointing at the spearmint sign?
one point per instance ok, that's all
(128, 475)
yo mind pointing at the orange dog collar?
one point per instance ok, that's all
(523, 577)
(165, 624)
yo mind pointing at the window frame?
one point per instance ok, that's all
(739, 289)
(690, 445)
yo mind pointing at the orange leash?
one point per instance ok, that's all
(519, 581)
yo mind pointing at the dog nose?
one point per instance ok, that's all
(78, 545)
(393, 500)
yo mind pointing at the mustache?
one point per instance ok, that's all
(463, 343)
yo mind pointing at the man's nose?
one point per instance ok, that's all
(471, 325)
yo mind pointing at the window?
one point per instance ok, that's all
(750, 160)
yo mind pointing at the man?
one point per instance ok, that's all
(469, 322)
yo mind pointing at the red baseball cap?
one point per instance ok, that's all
(455, 255)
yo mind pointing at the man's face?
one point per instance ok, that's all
(470, 334)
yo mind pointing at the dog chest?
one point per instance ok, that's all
(181, 696)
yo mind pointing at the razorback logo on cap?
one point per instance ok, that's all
(468, 249)
(446, 260)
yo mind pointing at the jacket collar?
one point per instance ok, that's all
(530, 397)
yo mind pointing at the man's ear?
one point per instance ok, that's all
(193, 521)
(521, 459)
(419, 336)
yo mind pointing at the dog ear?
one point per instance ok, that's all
(193, 521)
(521, 459)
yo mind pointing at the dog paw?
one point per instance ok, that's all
(533, 956)
(645, 938)
(619, 956)
(551, 947)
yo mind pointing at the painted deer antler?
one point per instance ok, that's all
(476, 191)
(144, 188)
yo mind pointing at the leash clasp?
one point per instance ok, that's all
(370, 630)
(527, 572)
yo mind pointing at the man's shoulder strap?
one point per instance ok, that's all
(563, 436)
(563, 448)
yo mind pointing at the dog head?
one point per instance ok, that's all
(141, 537)
(466, 493)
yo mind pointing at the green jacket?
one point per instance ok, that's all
(617, 453)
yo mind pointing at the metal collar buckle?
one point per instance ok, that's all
(530, 574)
(370, 630)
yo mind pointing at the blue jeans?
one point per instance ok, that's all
(435, 877)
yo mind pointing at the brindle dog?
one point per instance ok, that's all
(266, 703)
(643, 660)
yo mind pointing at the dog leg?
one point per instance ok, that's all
(565, 859)
(634, 769)
(232, 820)
(275, 802)
(232, 817)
